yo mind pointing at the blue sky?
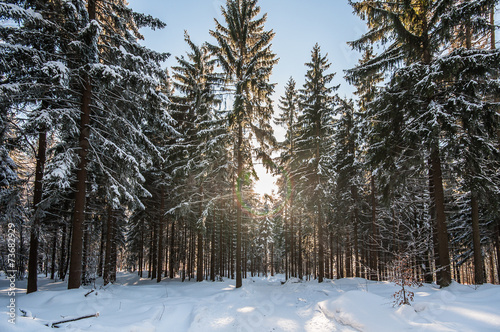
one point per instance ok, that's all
(298, 25)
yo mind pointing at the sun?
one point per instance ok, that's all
(266, 183)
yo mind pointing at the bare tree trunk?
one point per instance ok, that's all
(75, 269)
(199, 258)
(497, 245)
(37, 198)
(348, 256)
(239, 281)
(160, 234)
(141, 252)
(339, 258)
(154, 249)
(62, 257)
(109, 239)
(354, 192)
(114, 253)
(444, 272)
(373, 239)
(150, 253)
(221, 248)
(212, 250)
(321, 249)
(171, 255)
(476, 240)
(86, 241)
(54, 250)
(101, 249)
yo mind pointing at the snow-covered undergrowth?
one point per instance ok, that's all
(263, 304)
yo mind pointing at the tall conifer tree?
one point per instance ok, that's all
(244, 51)
(315, 122)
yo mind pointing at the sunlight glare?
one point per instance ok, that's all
(266, 183)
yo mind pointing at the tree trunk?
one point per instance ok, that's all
(114, 253)
(86, 241)
(141, 252)
(221, 248)
(293, 263)
(54, 250)
(301, 272)
(101, 249)
(150, 252)
(37, 198)
(348, 256)
(199, 254)
(212, 250)
(444, 273)
(154, 249)
(373, 239)
(75, 269)
(339, 258)
(107, 257)
(354, 192)
(171, 255)
(160, 234)
(239, 281)
(62, 257)
(199, 258)
(476, 240)
(321, 249)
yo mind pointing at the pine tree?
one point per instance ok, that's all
(244, 51)
(120, 94)
(288, 119)
(313, 141)
(348, 175)
(415, 32)
(204, 139)
(36, 80)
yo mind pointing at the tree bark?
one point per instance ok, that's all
(107, 257)
(171, 255)
(86, 240)
(54, 250)
(62, 257)
(160, 234)
(299, 253)
(476, 241)
(239, 281)
(354, 192)
(373, 239)
(199, 254)
(101, 249)
(212, 250)
(154, 249)
(37, 198)
(141, 252)
(75, 269)
(444, 272)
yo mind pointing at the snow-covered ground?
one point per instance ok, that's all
(262, 304)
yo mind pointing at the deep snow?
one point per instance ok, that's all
(262, 304)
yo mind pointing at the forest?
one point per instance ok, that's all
(111, 162)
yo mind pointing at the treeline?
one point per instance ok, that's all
(110, 162)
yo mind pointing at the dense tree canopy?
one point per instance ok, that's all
(110, 161)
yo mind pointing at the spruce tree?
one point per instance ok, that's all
(244, 51)
(36, 75)
(416, 32)
(288, 159)
(204, 138)
(121, 81)
(313, 143)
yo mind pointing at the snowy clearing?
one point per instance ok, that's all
(263, 304)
